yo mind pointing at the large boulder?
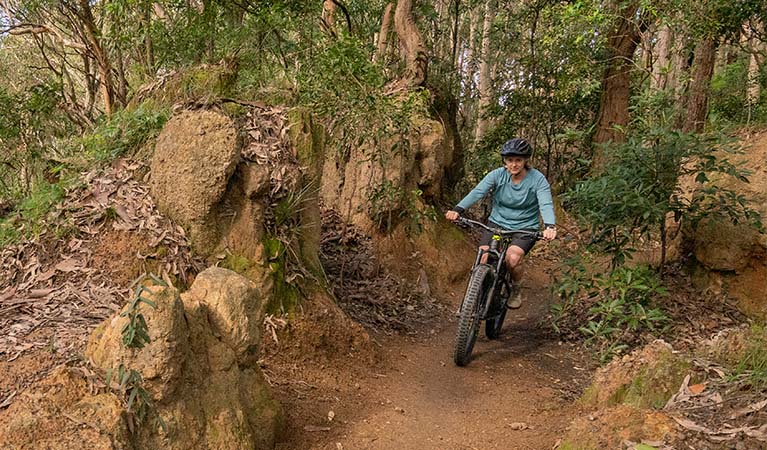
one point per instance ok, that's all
(200, 367)
(733, 257)
(195, 155)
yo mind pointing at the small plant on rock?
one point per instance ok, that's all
(135, 333)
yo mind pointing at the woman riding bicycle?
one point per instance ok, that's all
(519, 193)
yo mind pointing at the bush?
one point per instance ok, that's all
(28, 218)
(640, 186)
(621, 307)
(126, 131)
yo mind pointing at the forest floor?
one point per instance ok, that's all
(518, 391)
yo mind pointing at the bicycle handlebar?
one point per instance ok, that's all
(536, 234)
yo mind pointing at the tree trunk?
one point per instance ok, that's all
(661, 65)
(616, 83)
(697, 98)
(485, 66)
(454, 37)
(416, 58)
(383, 35)
(105, 68)
(148, 43)
(753, 89)
(680, 63)
(327, 20)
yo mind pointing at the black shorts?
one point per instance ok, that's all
(523, 240)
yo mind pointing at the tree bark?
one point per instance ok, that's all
(485, 67)
(383, 35)
(616, 83)
(416, 57)
(327, 21)
(102, 59)
(148, 43)
(661, 65)
(697, 98)
(471, 49)
(680, 63)
(754, 89)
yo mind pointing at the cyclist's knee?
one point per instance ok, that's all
(513, 258)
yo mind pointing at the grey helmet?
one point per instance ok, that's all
(516, 147)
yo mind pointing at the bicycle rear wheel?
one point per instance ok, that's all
(469, 320)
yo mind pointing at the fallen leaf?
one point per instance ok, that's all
(68, 265)
(752, 408)
(313, 428)
(37, 293)
(47, 275)
(696, 389)
(690, 425)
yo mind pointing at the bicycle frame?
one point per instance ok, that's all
(496, 259)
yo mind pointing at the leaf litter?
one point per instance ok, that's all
(364, 289)
(48, 286)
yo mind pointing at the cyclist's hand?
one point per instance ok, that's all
(550, 234)
(452, 215)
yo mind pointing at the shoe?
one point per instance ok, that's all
(515, 298)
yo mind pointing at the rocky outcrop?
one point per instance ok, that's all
(625, 398)
(195, 155)
(200, 369)
(733, 257)
(376, 183)
(201, 364)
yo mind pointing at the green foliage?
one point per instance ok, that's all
(752, 362)
(125, 132)
(138, 402)
(728, 102)
(623, 310)
(28, 218)
(29, 121)
(640, 185)
(621, 306)
(390, 205)
(543, 98)
(135, 333)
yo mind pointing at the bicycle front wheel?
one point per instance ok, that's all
(469, 318)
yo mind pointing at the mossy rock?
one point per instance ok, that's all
(645, 379)
(194, 84)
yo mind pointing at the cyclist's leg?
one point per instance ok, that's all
(484, 242)
(516, 252)
(514, 257)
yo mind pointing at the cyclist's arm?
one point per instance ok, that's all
(479, 191)
(546, 207)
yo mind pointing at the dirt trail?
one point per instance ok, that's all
(517, 392)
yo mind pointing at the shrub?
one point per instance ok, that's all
(620, 305)
(126, 131)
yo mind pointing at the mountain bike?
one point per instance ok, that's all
(487, 292)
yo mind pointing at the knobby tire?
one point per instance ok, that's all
(469, 320)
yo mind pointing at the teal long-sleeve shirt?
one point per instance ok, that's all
(515, 206)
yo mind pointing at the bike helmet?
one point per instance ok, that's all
(516, 147)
